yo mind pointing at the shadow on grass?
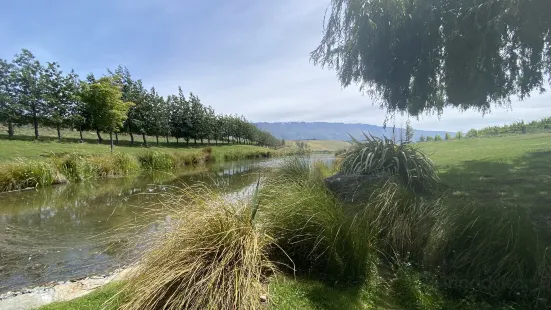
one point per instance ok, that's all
(523, 181)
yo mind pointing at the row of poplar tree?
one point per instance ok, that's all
(31, 93)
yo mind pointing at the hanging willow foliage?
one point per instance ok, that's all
(418, 56)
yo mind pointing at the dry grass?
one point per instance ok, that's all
(213, 257)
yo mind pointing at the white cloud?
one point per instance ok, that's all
(240, 56)
(273, 80)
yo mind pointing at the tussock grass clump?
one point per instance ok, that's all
(76, 167)
(157, 160)
(313, 231)
(492, 249)
(294, 168)
(113, 165)
(237, 154)
(23, 174)
(213, 257)
(402, 220)
(376, 156)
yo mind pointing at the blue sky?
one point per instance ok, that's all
(239, 56)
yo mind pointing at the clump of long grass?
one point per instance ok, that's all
(157, 160)
(23, 174)
(237, 154)
(490, 249)
(382, 156)
(312, 230)
(402, 220)
(76, 167)
(212, 257)
(294, 168)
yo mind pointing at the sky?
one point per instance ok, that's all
(239, 56)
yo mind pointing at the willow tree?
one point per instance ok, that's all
(419, 56)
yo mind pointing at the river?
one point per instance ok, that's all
(74, 230)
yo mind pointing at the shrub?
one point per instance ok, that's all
(212, 258)
(378, 156)
(437, 138)
(473, 133)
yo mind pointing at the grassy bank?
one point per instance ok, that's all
(29, 164)
(462, 245)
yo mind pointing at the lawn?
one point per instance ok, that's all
(24, 146)
(12, 149)
(510, 170)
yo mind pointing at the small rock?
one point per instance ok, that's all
(263, 298)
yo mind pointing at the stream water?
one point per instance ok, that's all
(74, 230)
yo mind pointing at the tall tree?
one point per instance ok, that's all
(104, 103)
(197, 118)
(459, 135)
(59, 93)
(29, 92)
(417, 56)
(129, 94)
(10, 111)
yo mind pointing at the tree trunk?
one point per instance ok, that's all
(10, 130)
(100, 139)
(201, 141)
(166, 139)
(195, 141)
(157, 137)
(35, 124)
(58, 133)
(144, 140)
(208, 141)
(215, 142)
(177, 141)
(111, 138)
(117, 138)
(80, 130)
(131, 138)
(187, 142)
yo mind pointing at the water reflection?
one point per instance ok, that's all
(74, 230)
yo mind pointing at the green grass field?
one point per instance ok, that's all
(13, 149)
(322, 145)
(510, 170)
(24, 145)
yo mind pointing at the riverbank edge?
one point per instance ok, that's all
(24, 173)
(38, 296)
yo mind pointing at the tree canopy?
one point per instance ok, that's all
(31, 93)
(422, 55)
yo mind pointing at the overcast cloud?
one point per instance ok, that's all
(239, 56)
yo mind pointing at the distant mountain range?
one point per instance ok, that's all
(334, 131)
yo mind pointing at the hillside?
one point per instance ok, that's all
(323, 145)
(332, 131)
